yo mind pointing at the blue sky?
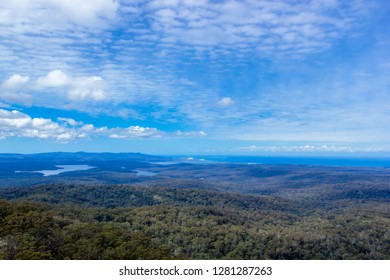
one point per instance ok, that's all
(195, 77)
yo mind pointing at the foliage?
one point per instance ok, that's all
(32, 230)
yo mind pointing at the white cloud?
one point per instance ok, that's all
(15, 82)
(16, 98)
(17, 124)
(45, 15)
(75, 88)
(37, 36)
(133, 131)
(271, 26)
(11, 90)
(55, 78)
(88, 127)
(191, 133)
(69, 121)
(225, 102)
(90, 13)
(87, 88)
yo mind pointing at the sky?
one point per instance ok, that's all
(251, 77)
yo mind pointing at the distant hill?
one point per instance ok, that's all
(82, 157)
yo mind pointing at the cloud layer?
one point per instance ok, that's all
(314, 70)
(268, 26)
(48, 15)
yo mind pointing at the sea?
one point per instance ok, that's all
(320, 161)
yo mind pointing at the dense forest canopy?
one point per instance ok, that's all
(168, 223)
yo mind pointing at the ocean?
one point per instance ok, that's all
(321, 161)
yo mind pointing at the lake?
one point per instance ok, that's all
(145, 173)
(61, 169)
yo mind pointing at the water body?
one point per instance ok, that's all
(62, 169)
(190, 160)
(145, 173)
(321, 161)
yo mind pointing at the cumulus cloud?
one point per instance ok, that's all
(225, 102)
(11, 90)
(55, 78)
(17, 124)
(76, 88)
(15, 82)
(87, 88)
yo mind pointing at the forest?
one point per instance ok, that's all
(168, 223)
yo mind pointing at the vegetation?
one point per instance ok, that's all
(190, 211)
(185, 224)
